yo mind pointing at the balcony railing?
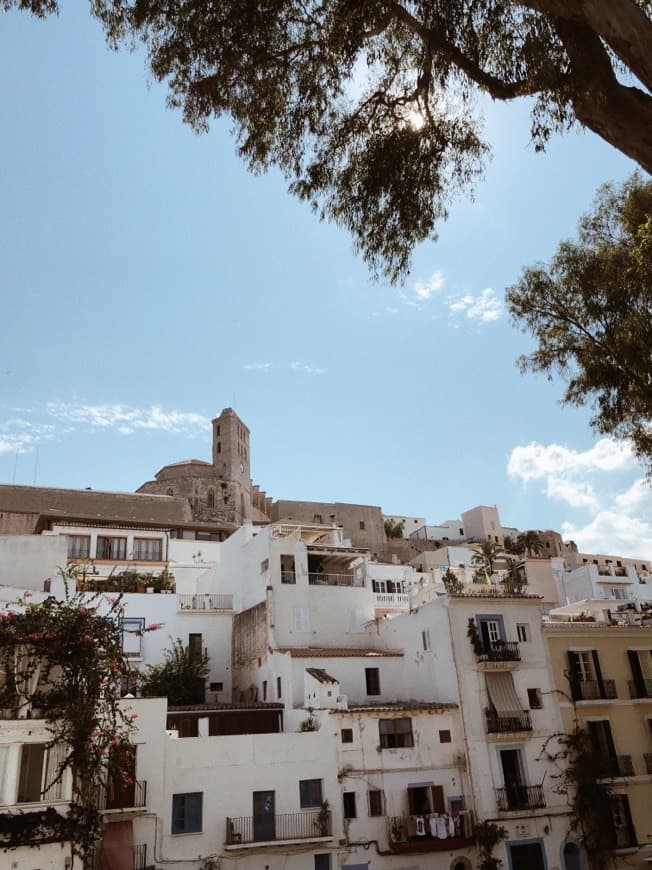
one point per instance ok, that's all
(520, 797)
(507, 724)
(288, 577)
(306, 825)
(319, 579)
(592, 690)
(139, 860)
(648, 761)
(617, 765)
(500, 651)
(642, 689)
(412, 834)
(218, 601)
(129, 796)
(399, 600)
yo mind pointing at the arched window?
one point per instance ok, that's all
(211, 498)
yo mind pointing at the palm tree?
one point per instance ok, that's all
(530, 543)
(514, 546)
(486, 553)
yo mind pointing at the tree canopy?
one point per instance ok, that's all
(369, 108)
(181, 678)
(590, 311)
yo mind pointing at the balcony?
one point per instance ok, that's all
(507, 724)
(219, 601)
(499, 651)
(520, 797)
(129, 796)
(283, 827)
(139, 860)
(593, 690)
(319, 579)
(642, 689)
(414, 834)
(617, 765)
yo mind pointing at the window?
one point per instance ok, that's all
(323, 861)
(348, 802)
(523, 632)
(219, 447)
(395, 733)
(288, 573)
(187, 813)
(113, 549)
(376, 808)
(347, 735)
(534, 699)
(425, 640)
(310, 794)
(264, 690)
(216, 687)
(169, 491)
(210, 501)
(444, 737)
(79, 546)
(317, 518)
(279, 686)
(195, 644)
(148, 549)
(30, 782)
(362, 525)
(132, 636)
(372, 679)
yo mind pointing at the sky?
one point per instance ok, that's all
(148, 281)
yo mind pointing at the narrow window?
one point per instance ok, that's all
(523, 632)
(195, 644)
(288, 574)
(444, 737)
(347, 735)
(264, 690)
(348, 802)
(425, 640)
(362, 525)
(372, 678)
(211, 498)
(279, 693)
(31, 773)
(375, 802)
(535, 699)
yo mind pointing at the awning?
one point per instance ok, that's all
(503, 694)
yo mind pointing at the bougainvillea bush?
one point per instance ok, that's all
(62, 661)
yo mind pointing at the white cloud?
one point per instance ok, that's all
(425, 289)
(485, 307)
(612, 533)
(126, 419)
(577, 494)
(20, 436)
(257, 366)
(535, 461)
(298, 366)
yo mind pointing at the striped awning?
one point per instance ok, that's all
(502, 694)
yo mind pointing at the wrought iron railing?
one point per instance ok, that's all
(127, 796)
(520, 797)
(517, 721)
(208, 601)
(592, 690)
(640, 688)
(500, 651)
(316, 578)
(305, 825)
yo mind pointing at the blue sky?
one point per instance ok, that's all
(148, 281)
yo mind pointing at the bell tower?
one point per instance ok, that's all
(231, 461)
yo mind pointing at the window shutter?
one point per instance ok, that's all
(598, 672)
(574, 673)
(194, 811)
(438, 805)
(637, 673)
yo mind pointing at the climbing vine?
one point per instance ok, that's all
(487, 836)
(63, 662)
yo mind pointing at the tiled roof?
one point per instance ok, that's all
(428, 706)
(313, 652)
(321, 675)
(91, 505)
(207, 708)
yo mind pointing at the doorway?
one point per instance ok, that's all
(264, 817)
